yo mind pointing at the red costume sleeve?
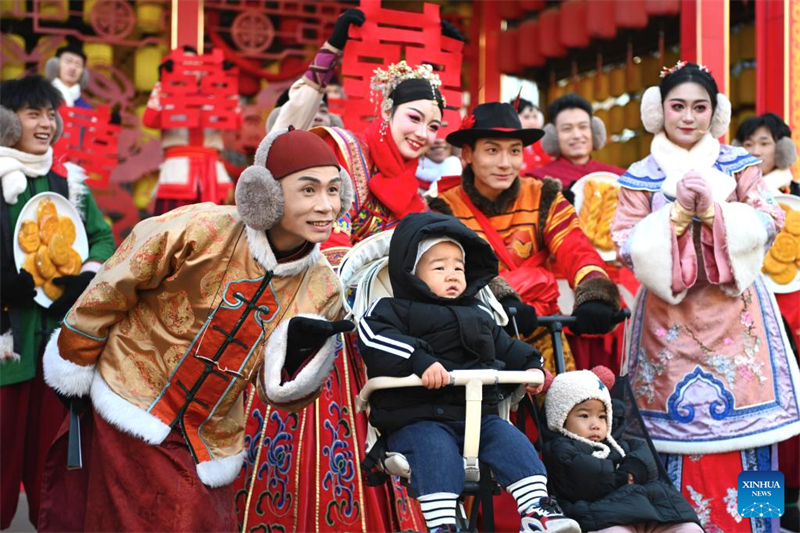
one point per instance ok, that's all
(575, 257)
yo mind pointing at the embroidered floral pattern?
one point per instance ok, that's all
(731, 504)
(649, 369)
(147, 261)
(176, 312)
(702, 506)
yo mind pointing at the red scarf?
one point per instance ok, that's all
(394, 182)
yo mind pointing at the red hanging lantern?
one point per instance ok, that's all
(600, 21)
(630, 14)
(572, 20)
(666, 8)
(549, 42)
(529, 52)
(532, 5)
(508, 9)
(507, 50)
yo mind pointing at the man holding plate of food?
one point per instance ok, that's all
(54, 238)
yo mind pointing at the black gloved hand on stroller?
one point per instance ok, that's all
(306, 336)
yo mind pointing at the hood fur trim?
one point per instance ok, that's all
(261, 250)
(568, 390)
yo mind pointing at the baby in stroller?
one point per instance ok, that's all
(625, 494)
(431, 326)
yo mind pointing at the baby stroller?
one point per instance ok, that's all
(365, 276)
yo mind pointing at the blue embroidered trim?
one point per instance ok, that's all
(719, 409)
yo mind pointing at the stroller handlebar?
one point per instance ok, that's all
(458, 378)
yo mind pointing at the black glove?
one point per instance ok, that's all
(449, 30)
(794, 188)
(79, 403)
(525, 316)
(17, 287)
(306, 336)
(596, 317)
(227, 65)
(166, 65)
(341, 30)
(569, 195)
(636, 467)
(73, 288)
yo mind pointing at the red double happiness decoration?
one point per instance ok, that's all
(89, 140)
(388, 36)
(199, 92)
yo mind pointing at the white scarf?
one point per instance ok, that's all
(16, 165)
(70, 94)
(676, 162)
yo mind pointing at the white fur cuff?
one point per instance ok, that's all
(7, 347)
(125, 416)
(220, 472)
(309, 379)
(746, 238)
(651, 254)
(65, 377)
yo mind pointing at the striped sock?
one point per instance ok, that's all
(439, 509)
(527, 491)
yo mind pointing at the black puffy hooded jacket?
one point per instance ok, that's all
(408, 333)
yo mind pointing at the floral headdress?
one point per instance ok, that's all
(666, 71)
(384, 82)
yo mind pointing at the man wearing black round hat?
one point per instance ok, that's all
(527, 221)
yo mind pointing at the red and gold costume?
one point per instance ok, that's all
(191, 309)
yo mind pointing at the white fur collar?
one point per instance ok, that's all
(778, 179)
(676, 162)
(262, 252)
(70, 94)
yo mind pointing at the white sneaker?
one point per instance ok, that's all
(546, 515)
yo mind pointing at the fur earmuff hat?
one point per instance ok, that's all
(550, 139)
(11, 128)
(53, 65)
(259, 197)
(785, 153)
(571, 388)
(652, 109)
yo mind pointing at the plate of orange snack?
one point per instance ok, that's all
(596, 198)
(781, 266)
(49, 242)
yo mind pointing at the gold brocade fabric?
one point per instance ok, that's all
(148, 302)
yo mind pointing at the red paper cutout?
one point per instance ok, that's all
(199, 93)
(89, 140)
(388, 36)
